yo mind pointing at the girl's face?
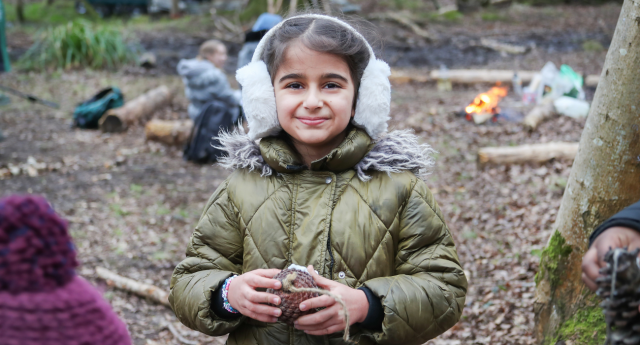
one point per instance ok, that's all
(219, 57)
(314, 96)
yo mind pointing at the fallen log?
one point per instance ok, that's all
(118, 119)
(539, 114)
(592, 80)
(473, 76)
(403, 77)
(406, 21)
(503, 47)
(151, 292)
(534, 153)
(168, 132)
(476, 76)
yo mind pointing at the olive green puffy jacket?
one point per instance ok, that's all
(360, 216)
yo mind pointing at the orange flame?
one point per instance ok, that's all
(487, 102)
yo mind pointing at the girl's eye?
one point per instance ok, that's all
(294, 86)
(332, 86)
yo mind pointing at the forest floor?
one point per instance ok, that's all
(132, 205)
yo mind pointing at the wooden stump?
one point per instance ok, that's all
(539, 114)
(534, 153)
(169, 132)
(118, 119)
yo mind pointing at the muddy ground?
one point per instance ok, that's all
(132, 205)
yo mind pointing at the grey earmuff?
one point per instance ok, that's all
(259, 102)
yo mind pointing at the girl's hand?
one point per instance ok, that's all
(249, 302)
(332, 319)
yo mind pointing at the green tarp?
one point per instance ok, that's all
(4, 56)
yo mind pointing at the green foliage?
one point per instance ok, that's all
(78, 44)
(553, 256)
(452, 15)
(492, 17)
(253, 10)
(592, 46)
(586, 327)
(118, 210)
(59, 12)
(135, 188)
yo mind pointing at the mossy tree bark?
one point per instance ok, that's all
(605, 178)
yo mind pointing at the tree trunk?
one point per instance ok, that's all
(604, 179)
(20, 11)
(175, 11)
(117, 120)
(326, 5)
(293, 7)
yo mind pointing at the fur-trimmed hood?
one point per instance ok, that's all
(392, 153)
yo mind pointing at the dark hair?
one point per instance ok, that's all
(321, 35)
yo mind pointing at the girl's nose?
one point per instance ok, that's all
(312, 101)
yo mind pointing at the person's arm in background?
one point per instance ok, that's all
(621, 230)
(221, 90)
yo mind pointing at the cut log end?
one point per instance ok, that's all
(111, 123)
(169, 132)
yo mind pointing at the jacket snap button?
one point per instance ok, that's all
(328, 180)
(341, 275)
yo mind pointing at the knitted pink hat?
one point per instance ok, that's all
(42, 300)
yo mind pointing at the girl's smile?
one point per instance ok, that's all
(314, 99)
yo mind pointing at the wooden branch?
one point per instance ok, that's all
(168, 132)
(117, 120)
(151, 292)
(270, 7)
(179, 336)
(534, 153)
(539, 114)
(503, 47)
(406, 21)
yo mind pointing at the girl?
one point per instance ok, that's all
(204, 80)
(326, 187)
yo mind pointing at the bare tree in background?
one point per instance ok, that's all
(20, 11)
(175, 10)
(604, 179)
(274, 7)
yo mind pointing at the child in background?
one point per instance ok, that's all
(327, 188)
(42, 300)
(251, 39)
(205, 81)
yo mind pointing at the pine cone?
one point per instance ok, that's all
(290, 301)
(622, 299)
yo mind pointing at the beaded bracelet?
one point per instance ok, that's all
(225, 294)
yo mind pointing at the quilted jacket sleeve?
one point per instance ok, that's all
(427, 294)
(213, 254)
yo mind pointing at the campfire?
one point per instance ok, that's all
(485, 105)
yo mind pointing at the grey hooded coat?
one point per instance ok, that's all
(204, 82)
